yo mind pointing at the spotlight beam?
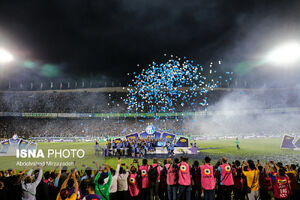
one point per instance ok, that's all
(5, 56)
(285, 55)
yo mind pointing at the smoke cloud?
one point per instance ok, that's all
(262, 111)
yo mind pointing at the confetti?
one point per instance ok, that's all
(178, 85)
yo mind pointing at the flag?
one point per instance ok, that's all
(117, 140)
(157, 135)
(168, 136)
(5, 146)
(23, 144)
(287, 142)
(132, 136)
(144, 135)
(182, 142)
(32, 146)
(297, 144)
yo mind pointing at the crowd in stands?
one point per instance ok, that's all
(34, 127)
(170, 180)
(108, 127)
(106, 102)
(79, 102)
(62, 102)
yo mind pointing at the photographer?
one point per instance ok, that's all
(102, 188)
(252, 180)
(281, 183)
(29, 185)
(114, 182)
(208, 180)
(64, 193)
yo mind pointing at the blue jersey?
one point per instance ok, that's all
(172, 146)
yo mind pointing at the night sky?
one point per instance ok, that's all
(90, 38)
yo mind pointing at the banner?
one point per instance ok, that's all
(168, 136)
(32, 146)
(297, 144)
(67, 115)
(5, 146)
(157, 135)
(40, 115)
(11, 114)
(145, 135)
(14, 142)
(85, 115)
(132, 136)
(287, 142)
(137, 115)
(73, 115)
(182, 142)
(10, 146)
(117, 141)
(23, 144)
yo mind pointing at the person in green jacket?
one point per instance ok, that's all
(237, 142)
(102, 188)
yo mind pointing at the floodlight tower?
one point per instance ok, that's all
(5, 59)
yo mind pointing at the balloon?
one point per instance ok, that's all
(171, 86)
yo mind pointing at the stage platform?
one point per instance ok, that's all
(177, 150)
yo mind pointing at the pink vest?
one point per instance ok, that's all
(133, 185)
(281, 187)
(208, 181)
(227, 178)
(184, 176)
(171, 174)
(144, 173)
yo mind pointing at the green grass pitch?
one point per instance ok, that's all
(263, 149)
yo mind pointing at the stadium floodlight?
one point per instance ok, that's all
(5, 56)
(285, 55)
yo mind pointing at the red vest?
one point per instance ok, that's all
(281, 187)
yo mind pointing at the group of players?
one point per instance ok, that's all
(135, 147)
